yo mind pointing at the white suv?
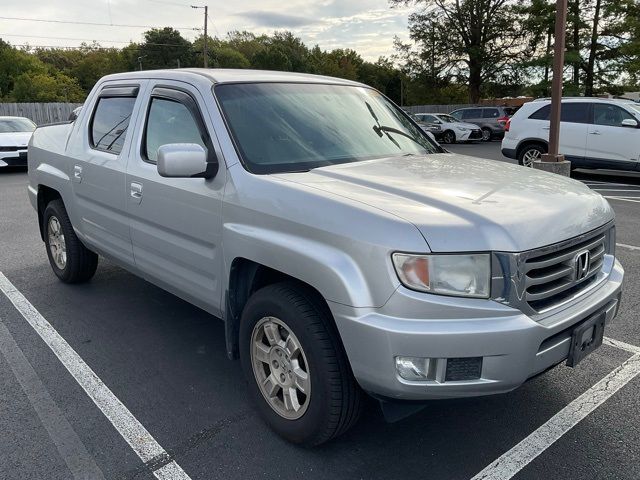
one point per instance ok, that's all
(594, 133)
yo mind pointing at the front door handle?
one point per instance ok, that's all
(136, 191)
(595, 132)
(77, 173)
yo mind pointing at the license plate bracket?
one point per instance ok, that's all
(586, 338)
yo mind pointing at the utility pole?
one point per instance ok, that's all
(553, 161)
(204, 47)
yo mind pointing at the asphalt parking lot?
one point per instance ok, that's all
(164, 361)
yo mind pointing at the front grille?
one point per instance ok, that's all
(11, 149)
(552, 277)
(476, 134)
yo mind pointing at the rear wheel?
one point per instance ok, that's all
(295, 366)
(530, 153)
(70, 260)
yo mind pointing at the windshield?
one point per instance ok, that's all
(447, 118)
(281, 127)
(634, 106)
(9, 125)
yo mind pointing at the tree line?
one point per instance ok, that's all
(458, 51)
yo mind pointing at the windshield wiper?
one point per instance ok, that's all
(384, 129)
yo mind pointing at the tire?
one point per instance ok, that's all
(333, 401)
(78, 264)
(449, 137)
(529, 153)
(486, 134)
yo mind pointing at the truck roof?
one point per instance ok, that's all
(227, 75)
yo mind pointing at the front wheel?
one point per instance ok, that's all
(448, 137)
(296, 369)
(486, 134)
(70, 260)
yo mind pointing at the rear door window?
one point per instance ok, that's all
(575, 112)
(110, 122)
(472, 113)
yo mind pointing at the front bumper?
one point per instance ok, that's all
(16, 158)
(513, 346)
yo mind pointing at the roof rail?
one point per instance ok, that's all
(544, 99)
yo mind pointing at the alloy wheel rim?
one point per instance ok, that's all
(280, 368)
(449, 138)
(486, 134)
(530, 156)
(57, 244)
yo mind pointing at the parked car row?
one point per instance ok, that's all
(448, 129)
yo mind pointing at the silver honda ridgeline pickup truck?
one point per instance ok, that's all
(344, 249)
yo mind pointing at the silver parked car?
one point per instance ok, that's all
(346, 252)
(491, 120)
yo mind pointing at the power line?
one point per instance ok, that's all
(92, 47)
(88, 39)
(62, 38)
(90, 23)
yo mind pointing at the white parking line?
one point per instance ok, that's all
(615, 190)
(630, 247)
(510, 463)
(134, 433)
(624, 199)
(596, 182)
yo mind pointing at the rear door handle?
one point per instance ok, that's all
(77, 173)
(136, 191)
(546, 128)
(595, 132)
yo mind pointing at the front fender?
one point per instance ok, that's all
(329, 270)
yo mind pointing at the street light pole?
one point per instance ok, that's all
(553, 161)
(205, 53)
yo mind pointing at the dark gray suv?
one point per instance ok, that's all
(490, 119)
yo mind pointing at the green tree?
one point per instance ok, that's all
(13, 63)
(164, 48)
(473, 40)
(43, 87)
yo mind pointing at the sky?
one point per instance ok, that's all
(367, 26)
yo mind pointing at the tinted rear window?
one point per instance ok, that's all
(110, 122)
(490, 113)
(472, 113)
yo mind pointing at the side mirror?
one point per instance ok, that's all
(629, 122)
(184, 160)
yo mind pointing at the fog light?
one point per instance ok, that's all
(412, 368)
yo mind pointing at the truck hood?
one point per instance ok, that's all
(13, 139)
(462, 203)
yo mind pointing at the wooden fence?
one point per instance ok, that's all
(40, 113)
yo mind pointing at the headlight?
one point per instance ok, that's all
(464, 129)
(459, 275)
